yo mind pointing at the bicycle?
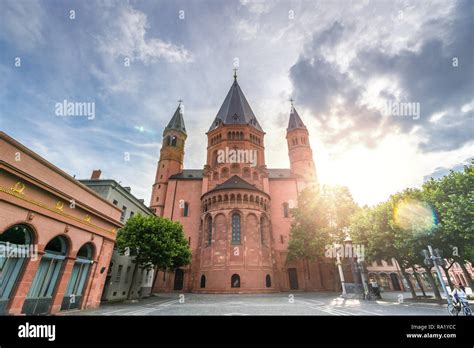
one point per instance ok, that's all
(457, 305)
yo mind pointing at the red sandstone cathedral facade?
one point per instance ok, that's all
(236, 211)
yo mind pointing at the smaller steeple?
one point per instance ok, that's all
(177, 121)
(295, 121)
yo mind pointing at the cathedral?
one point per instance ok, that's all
(236, 212)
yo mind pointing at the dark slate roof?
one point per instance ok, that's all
(235, 182)
(189, 174)
(197, 174)
(282, 174)
(177, 121)
(295, 120)
(235, 110)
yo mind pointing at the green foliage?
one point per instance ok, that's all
(452, 200)
(319, 220)
(154, 241)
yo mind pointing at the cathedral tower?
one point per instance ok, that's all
(235, 142)
(171, 159)
(299, 148)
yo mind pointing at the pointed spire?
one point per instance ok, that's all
(235, 109)
(295, 121)
(177, 121)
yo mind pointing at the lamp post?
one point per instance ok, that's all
(341, 273)
(435, 260)
(348, 251)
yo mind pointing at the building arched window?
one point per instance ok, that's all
(17, 239)
(235, 281)
(186, 209)
(268, 281)
(235, 228)
(286, 210)
(209, 230)
(174, 141)
(203, 281)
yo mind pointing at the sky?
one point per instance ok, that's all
(343, 63)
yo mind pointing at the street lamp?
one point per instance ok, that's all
(435, 260)
(341, 273)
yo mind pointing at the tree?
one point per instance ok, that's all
(319, 220)
(452, 196)
(153, 241)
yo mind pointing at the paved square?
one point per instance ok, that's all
(302, 303)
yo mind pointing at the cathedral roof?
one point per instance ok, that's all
(177, 121)
(235, 182)
(295, 121)
(197, 174)
(235, 109)
(189, 174)
(276, 173)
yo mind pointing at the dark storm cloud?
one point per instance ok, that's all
(426, 76)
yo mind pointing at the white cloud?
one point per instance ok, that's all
(125, 37)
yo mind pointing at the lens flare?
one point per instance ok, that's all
(415, 215)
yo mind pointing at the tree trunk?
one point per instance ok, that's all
(309, 270)
(133, 278)
(410, 285)
(433, 284)
(155, 276)
(446, 272)
(305, 276)
(466, 274)
(420, 283)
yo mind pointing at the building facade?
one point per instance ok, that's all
(120, 271)
(388, 275)
(56, 236)
(236, 211)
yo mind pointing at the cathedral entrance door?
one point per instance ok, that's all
(293, 278)
(178, 279)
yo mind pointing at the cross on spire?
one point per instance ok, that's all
(235, 73)
(292, 107)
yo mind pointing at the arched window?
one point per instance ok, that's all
(40, 296)
(215, 176)
(186, 209)
(286, 210)
(224, 173)
(203, 281)
(75, 289)
(268, 281)
(174, 141)
(235, 281)
(255, 176)
(16, 239)
(209, 230)
(246, 173)
(235, 228)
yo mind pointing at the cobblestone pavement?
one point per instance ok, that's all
(301, 303)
